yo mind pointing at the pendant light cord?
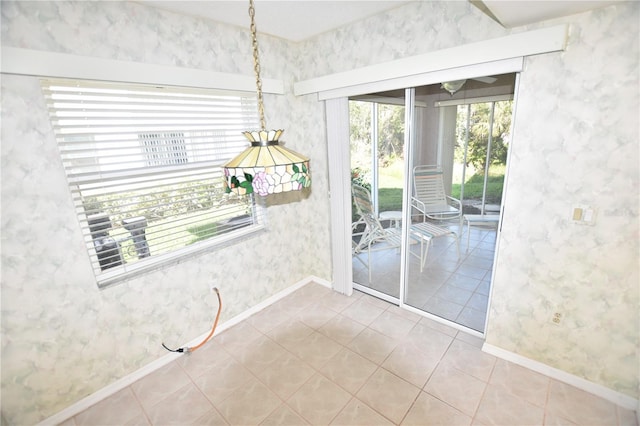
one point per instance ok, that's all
(256, 64)
(213, 329)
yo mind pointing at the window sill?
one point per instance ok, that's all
(125, 272)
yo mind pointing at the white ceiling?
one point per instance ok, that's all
(298, 20)
(294, 20)
(523, 12)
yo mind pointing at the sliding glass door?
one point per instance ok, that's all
(452, 281)
(401, 251)
(377, 166)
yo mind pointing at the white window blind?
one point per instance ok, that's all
(162, 149)
(144, 169)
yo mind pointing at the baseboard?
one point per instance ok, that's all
(578, 382)
(129, 379)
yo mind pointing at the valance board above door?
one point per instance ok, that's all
(488, 57)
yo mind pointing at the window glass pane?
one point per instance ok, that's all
(144, 169)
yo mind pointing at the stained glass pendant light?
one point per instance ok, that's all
(265, 167)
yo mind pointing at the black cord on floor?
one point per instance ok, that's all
(175, 350)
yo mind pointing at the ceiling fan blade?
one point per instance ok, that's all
(488, 80)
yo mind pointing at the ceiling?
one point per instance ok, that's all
(294, 20)
(517, 13)
(297, 20)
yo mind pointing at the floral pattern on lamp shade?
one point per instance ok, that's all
(267, 180)
(266, 167)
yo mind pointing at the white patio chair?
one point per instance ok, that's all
(373, 232)
(429, 196)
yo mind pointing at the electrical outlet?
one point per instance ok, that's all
(583, 215)
(556, 318)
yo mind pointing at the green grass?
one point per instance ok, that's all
(391, 180)
(473, 188)
(389, 199)
(392, 176)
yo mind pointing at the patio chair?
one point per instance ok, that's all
(373, 232)
(429, 197)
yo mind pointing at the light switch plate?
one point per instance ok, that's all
(583, 215)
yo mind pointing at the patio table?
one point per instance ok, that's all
(480, 220)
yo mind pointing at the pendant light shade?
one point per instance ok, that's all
(265, 167)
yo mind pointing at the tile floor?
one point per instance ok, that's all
(454, 288)
(318, 357)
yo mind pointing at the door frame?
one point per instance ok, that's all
(497, 56)
(338, 146)
(408, 149)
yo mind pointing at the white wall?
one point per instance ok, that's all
(62, 338)
(575, 142)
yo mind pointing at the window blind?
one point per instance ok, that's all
(143, 165)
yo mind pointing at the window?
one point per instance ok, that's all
(162, 149)
(143, 165)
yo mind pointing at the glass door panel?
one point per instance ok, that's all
(465, 136)
(377, 166)
(481, 155)
(452, 281)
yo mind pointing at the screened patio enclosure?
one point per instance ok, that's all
(467, 135)
(377, 165)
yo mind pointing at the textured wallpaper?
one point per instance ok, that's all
(575, 142)
(417, 28)
(62, 338)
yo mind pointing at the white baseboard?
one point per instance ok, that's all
(580, 383)
(129, 379)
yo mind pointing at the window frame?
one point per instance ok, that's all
(111, 275)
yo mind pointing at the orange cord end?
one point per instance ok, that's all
(215, 324)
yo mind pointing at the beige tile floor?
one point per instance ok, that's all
(317, 357)
(451, 287)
